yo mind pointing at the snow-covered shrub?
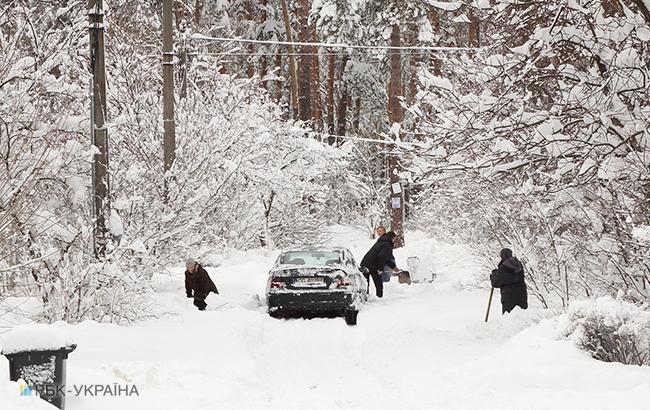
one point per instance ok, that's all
(611, 330)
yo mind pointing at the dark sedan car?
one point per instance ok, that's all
(316, 281)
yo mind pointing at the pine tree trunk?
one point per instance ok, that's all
(331, 73)
(343, 109)
(395, 112)
(198, 11)
(278, 83)
(292, 60)
(343, 101)
(304, 79)
(250, 67)
(474, 29)
(357, 115)
(395, 116)
(264, 63)
(435, 61)
(315, 82)
(414, 65)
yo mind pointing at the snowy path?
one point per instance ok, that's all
(421, 347)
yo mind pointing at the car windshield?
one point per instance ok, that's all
(313, 258)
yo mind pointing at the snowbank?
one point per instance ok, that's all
(34, 336)
(503, 327)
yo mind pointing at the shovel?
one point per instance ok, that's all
(487, 313)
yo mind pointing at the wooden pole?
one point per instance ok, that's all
(169, 140)
(487, 313)
(99, 133)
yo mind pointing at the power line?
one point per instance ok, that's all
(330, 45)
(242, 53)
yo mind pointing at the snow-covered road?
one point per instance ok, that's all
(422, 346)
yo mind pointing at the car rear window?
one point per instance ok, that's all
(313, 258)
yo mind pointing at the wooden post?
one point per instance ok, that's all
(169, 141)
(99, 133)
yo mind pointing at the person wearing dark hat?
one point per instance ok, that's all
(198, 284)
(509, 278)
(380, 255)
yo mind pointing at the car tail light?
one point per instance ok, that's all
(276, 282)
(342, 282)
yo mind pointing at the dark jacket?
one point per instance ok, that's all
(200, 283)
(509, 277)
(380, 255)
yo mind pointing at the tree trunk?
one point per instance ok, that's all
(250, 16)
(474, 29)
(304, 80)
(331, 64)
(292, 60)
(414, 65)
(343, 109)
(395, 111)
(198, 11)
(315, 82)
(278, 83)
(263, 59)
(357, 114)
(343, 101)
(436, 62)
(395, 116)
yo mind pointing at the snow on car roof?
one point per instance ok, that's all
(315, 249)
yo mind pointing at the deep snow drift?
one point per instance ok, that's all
(422, 346)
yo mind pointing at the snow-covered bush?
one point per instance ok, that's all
(611, 330)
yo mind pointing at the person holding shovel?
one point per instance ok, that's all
(387, 271)
(380, 255)
(509, 278)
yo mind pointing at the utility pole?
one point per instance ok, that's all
(169, 141)
(99, 133)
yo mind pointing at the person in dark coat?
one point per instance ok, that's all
(509, 277)
(387, 270)
(198, 284)
(380, 255)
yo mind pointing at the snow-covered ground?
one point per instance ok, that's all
(422, 346)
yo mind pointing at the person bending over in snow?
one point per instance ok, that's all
(380, 255)
(198, 283)
(509, 277)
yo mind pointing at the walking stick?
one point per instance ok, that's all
(487, 314)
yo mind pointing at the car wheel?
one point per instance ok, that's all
(351, 317)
